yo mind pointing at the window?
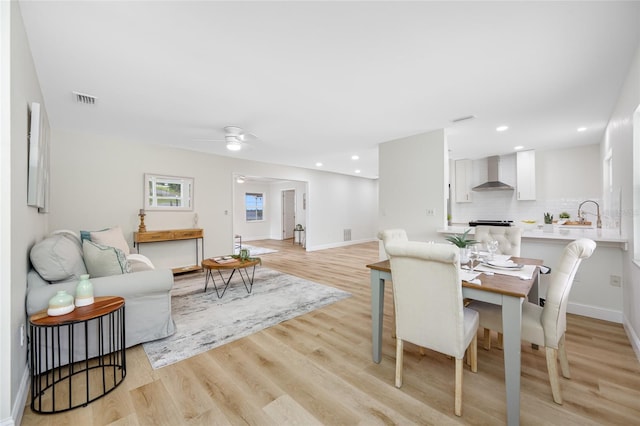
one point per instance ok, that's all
(168, 192)
(254, 206)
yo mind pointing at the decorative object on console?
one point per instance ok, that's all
(84, 291)
(142, 227)
(60, 304)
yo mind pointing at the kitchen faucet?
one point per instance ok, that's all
(581, 218)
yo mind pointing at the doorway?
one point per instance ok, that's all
(288, 213)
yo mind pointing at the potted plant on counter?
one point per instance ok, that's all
(548, 222)
(463, 242)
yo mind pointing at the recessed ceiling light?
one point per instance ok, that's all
(318, 164)
(501, 128)
(357, 170)
(582, 129)
(355, 157)
(518, 148)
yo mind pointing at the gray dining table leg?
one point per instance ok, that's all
(511, 325)
(377, 310)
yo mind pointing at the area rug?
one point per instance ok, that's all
(204, 322)
(255, 251)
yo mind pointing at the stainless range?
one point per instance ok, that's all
(491, 222)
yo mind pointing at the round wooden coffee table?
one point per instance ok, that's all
(233, 265)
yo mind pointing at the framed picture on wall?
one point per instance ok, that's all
(38, 158)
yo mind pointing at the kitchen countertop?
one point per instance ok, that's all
(608, 237)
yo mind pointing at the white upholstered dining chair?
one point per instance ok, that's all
(509, 239)
(389, 235)
(546, 326)
(428, 305)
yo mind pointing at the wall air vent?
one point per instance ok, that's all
(347, 234)
(83, 98)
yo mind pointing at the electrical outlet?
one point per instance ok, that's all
(431, 212)
(615, 280)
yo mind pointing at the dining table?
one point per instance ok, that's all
(495, 286)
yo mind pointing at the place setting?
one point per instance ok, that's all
(489, 263)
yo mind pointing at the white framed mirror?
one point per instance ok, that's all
(168, 193)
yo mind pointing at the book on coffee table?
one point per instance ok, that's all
(224, 259)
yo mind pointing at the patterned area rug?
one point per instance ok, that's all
(205, 322)
(255, 251)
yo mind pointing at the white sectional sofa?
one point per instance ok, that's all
(58, 262)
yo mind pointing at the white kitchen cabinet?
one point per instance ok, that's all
(526, 175)
(463, 181)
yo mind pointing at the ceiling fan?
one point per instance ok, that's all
(234, 136)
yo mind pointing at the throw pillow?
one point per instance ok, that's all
(112, 237)
(58, 258)
(103, 261)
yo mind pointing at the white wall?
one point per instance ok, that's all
(20, 226)
(618, 139)
(97, 183)
(412, 180)
(564, 178)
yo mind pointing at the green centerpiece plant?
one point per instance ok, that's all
(461, 241)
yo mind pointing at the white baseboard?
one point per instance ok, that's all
(595, 312)
(633, 337)
(21, 399)
(340, 244)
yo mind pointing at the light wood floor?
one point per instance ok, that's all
(317, 369)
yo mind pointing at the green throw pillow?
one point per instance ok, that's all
(103, 261)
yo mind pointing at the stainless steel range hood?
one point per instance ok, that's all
(493, 183)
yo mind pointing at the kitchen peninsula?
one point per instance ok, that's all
(597, 289)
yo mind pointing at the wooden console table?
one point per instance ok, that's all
(173, 235)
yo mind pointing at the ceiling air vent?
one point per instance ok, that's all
(83, 98)
(465, 118)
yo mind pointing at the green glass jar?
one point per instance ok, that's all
(244, 254)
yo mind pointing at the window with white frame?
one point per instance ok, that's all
(168, 192)
(254, 206)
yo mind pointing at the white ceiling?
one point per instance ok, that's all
(323, 81)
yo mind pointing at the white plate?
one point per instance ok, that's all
(504, 265)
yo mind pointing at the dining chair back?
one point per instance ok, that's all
(508, 238)
(546, 326)
(389, 235)
(428, 303)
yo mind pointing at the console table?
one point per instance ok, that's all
(56, 368)
(174, 235)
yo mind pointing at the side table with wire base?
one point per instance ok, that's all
(78, 357)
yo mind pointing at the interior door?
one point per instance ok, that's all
(288, 213)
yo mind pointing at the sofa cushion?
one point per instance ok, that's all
(112, 237)
(58, 258)
(103, 261)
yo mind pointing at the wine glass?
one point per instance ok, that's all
(474, 254)
(492, 248)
